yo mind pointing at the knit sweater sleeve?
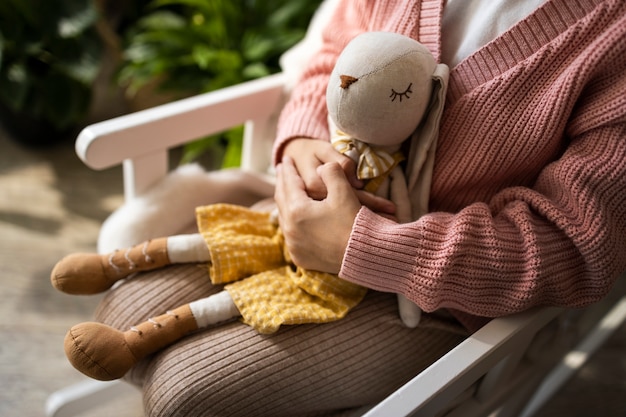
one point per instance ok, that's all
(305, 114)
(564, 248)
(554, 237)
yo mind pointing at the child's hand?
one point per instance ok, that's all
(316, 231)
(309, 154)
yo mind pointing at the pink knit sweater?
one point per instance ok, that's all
(528, 201)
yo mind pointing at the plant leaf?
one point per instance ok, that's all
(162, 20)
(15, 85)
(232, 157)
(77, 16)
(255, 70)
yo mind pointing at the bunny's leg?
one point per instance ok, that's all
(92, 273)
(105, 353)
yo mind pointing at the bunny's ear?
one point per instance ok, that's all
(423, 144)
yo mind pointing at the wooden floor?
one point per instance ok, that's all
(50, 205)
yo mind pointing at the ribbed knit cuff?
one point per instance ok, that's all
(382, 257)
(378, 256)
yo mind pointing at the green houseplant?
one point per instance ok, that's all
(195, 46)
(49, 58)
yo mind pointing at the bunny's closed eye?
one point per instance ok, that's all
(405, 94)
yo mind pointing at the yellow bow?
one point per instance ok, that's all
(372, 162)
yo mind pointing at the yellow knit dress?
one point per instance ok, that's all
(248, 253)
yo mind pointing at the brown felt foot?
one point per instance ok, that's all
(91, 273)
(104, 353)
(98, 351)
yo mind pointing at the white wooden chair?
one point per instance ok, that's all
(498, 368)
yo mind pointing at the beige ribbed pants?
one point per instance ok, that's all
(231, 370)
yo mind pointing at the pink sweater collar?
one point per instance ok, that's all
(523, 40)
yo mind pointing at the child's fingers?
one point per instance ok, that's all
(377, 204)
(335, 180)
(290, 187)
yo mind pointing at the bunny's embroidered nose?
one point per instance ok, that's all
(347, 81)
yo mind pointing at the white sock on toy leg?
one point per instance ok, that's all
(410, 313)
(187, 248)
(214, 309)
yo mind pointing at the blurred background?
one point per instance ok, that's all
(64, 63)
(68, 63)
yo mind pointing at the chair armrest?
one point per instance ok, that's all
(440, 384)
(109, 143)
(141, 140)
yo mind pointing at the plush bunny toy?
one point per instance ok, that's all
(379, 95)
